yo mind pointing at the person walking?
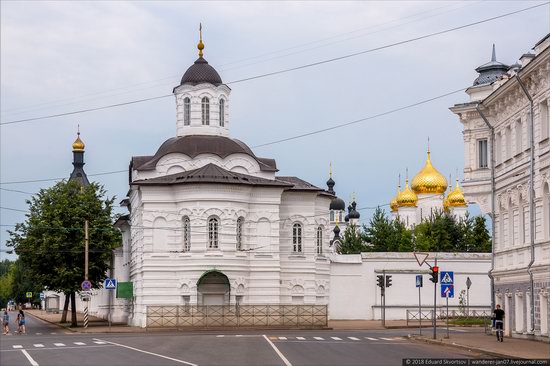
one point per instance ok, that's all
(21, 322)
(5, 322)
(499, 323)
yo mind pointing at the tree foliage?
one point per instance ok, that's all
(352, 241)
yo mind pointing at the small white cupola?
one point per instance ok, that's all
(202, 100)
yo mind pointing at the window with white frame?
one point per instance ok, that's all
(213, 235)
(205, 104)
(319, 238)
(297, 238)
(239, 233)
(186, 234)
(498, 148)
(331, 215)
(186, 111)
(482, 153)
(519, 139)
(222, 112)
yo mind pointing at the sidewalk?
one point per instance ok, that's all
(95, 325)
(375, 324)
(481, 342)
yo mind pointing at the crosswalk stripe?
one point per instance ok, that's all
(371, 339)
(59, 344)
(17, 346)
(99, 342)
(53, 333)
(336, 338)
(80, 343)
(319, 338)
(220, 336)
(387, 339)
(38, 345)
(353, 338)
(282, 338)
(301, 338)
(38, 333)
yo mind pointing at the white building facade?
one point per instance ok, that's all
(507, 172)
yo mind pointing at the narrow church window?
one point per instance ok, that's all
(205, 111)
(482, 146)
(222, 112)
(331, 216)
(240, 223)
(186, 111)
(213, 225)
(186, 234)
(297, 238)
(320, 240)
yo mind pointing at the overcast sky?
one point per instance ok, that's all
(63, 56)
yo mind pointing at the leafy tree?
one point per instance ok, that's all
(481, 240)
(50, 243)
(379, 232)
(6, 286)
(352, 241)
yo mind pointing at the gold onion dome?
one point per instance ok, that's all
(78, 144)
(407, 198)
(455, 198)
(429, 179)
(393, 204)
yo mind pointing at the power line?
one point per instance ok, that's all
(289, 69)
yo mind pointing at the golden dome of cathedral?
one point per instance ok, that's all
(407, 198)
(78, 144)
(393, 204)
(455, 198)
(429, 179)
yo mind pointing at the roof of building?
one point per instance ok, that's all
(201, 72)
(194, 145)
(299, 184)
(211, 173)
(490, 71)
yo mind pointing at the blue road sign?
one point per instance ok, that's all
(447, 277)
(42, 296)
(86, 285)
(448, 290)
(110, 284)
(418, 280)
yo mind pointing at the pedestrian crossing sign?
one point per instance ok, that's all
(110, 283)
(447, 277)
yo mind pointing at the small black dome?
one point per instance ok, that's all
(337, 204)
(201, 72)
(353, 213)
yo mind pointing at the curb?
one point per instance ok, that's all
(465, 347)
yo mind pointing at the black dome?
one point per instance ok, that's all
(337, 204)
(201, 72)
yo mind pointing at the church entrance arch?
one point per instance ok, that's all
(213, 288)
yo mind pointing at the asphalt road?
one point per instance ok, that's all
(48, 345)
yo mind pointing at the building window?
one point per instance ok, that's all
(498, 148)
(240, 223)
(331, 216)
(222, 112)
(544, 120)
(213, 226)
(297, 238)
(482, 147)
(186, 234)
(319, 240)
(186, 111)
(508, 143)
(546, 211)
(205, 111)
(519, 140)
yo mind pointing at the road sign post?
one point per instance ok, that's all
(419, 285)
(435, 269)
(447, 290)
(468, 284)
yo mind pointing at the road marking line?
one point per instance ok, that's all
(336, 338)
(371, 339)
(38, 333)
(388, 339)
(301, 338)
(17, 346)
(57, 348)
(221, 335)
(458, 330)
(239, 335)
(353, 338)
(59, 344)
(99, 342)
(319, 338)
(53, 333)
(148, 353)
(79, 343)
(282, 338)
(31, 360)
(398, 338)
(38, 345)
(279, 353)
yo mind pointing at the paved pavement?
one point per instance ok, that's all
(46, 344)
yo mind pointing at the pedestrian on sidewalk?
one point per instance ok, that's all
(5, 322)
(499, 323)
(21, 322)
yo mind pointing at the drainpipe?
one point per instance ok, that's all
(492, 142)
(531, 201)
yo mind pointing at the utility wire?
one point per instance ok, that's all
(288, 69)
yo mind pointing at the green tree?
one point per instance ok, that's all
(6, 286)
(352, 241)
(481, 240)
(50, 243)
(379, 232)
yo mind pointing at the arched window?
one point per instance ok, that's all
(186, 111)
(213, 227)
(297, 238)
(239, 234)
(319, 240)
(186, 234)
(205, 111)
(222, 112)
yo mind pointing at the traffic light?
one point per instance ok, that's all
(388, 281)
(380, 281)
(435, 274)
